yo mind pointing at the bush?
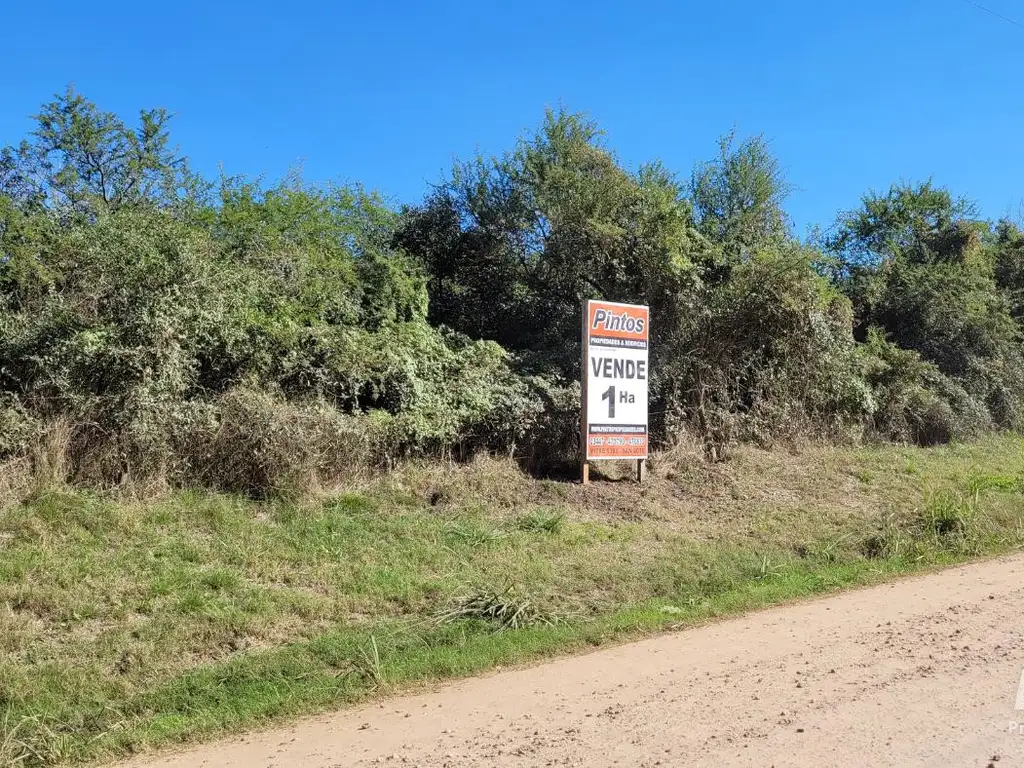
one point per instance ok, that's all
(768, 357)
(912, 401)
(265, 340)
(260, 445)
(17, 426)
(231, 357)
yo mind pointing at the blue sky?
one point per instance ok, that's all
(853, 96)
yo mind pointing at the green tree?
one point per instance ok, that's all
(1008, 264)
(513, 245)
(82, 161)
(919, 266)
(738, 198)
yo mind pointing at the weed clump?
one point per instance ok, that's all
(951, 519)
(542, 521)
(505, 609)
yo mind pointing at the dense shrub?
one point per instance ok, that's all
(270, 340)
(912, 401)
(156, 328)
(933, 279)
(771, 357)
(143, 322)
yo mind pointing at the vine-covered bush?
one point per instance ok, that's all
(157, 328)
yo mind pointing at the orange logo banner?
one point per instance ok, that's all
(618, 321)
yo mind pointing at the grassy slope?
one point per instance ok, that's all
(128, 625)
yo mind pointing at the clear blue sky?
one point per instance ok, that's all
(853, 95)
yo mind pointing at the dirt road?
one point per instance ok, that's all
(920, 672)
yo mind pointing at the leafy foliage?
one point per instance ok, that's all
(513, 245)
(738, 197)
(262, 339)
(81, 161)
(933, 279)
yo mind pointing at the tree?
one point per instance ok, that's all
(82, 161)
(919, 267)
(921, 223)
(513, 245)
(1008, 263)
(738, 197)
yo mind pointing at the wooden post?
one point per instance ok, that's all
(641, 470)
(585, 473)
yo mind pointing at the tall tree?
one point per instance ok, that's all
(1008, 264)
(82, 161)
(738, 197)
(512, 245)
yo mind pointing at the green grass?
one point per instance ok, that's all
(128, 625)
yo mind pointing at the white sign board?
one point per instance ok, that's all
(615, 340)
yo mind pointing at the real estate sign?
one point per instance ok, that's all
(615, 372)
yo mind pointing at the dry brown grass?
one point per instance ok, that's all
(683, 491)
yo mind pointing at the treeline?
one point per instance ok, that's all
(157, 327)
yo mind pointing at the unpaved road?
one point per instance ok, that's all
(921, 672)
